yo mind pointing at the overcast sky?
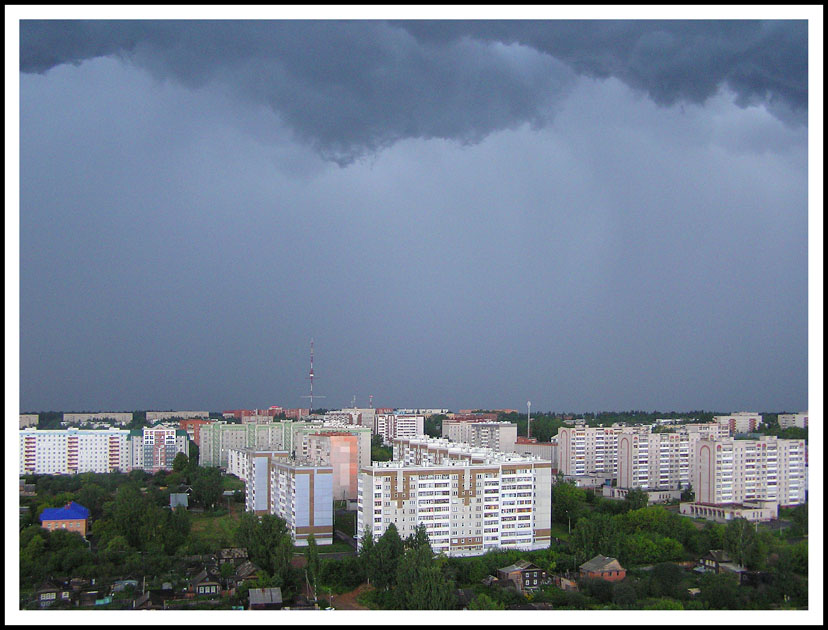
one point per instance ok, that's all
(588, 215)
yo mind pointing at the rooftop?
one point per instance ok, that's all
(70, 512)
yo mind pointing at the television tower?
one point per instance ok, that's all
(528, 418)
(310, 377)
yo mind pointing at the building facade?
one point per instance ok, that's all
(114, 417)
(71, 451)
(468, 505)
(736, 471)
(340, 451)
(393, 425)
(740, 422)
(160, 416)
(798, 420)
(302, 495)
(28, 420)
(500, 436)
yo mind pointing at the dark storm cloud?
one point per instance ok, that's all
(351, 87)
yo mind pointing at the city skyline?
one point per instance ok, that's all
(592, 216)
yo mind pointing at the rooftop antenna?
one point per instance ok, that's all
(310, 376)
(528, 418)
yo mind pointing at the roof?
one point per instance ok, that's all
(601, 563)
(719, 555)
(259, 596)
(232, 552)
(520, 565)
(70, 512)
(245, 569)
(179, 499)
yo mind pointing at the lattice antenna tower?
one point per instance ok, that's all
(311, 377)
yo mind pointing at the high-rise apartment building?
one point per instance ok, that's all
(468, 505)
(70, 451)
(735, 471)
(500, 436)
(160, 416)
(740, 422)
(340, 451)
(158, 447)
(302, 494)
(114, 417)
(28, 420)
(788, 420)
(395, 425)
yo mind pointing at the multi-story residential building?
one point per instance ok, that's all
(500, 436)
(740, 422)
(788, 420)
(296, 414)
(160, 416)
(219, 437)
(299, 444)
(155, 448)
(543, 450)
(416, 412)
(468, 506)
(28, 420)
(256, 419)
(654, 460)
(193, 428)
(106, 416)
(302, 494)
(253, 467)
(70, 451)
(390, 426)
(584, 450)
(340, 451)
(739, 471)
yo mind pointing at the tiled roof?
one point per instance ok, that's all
(70, 512)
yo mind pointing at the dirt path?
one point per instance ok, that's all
(348, 601)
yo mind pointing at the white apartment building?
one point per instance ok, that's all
(159, 416)
(302, 494)
(500, 436)
(653, 461)
(739, 471)
(111, 416)
(584, 450)
(467, 507)
(257, 419)
(422, 412)
(390, 426)
(788, 420)
(740, 422)
(255, 468)
(70, 451)
(28, 420)
(299, 444)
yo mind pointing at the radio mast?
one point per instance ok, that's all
(310, 377)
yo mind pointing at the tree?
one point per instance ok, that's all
(567, 500)
(127, 512)
(665, 580)
(423, 585)
(180, 462)
(418, 539)
(598, 534)
(484, 602)
(312, 554)
(268, 543)
(387, 553)
(720, 591)
(623, 594)
(207, 487)
(636, 499)
(739, 536)
(367, 553)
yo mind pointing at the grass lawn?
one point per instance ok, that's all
(345, 523)
(560, 531)
(218, 531)
(231, 482)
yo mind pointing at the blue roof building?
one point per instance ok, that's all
(70, 512)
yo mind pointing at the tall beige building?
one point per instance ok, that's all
(302, 494)
(788, 420)
(340, 451)
(468, 506)
(500, 436)
(735, 471)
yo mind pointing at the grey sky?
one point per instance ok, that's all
(591, 216)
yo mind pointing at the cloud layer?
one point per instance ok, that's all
(349, 88)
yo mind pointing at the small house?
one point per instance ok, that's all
(50, 593)
(205, 584)
(526, 576)
(719, 561)
(602, 568)
(265, 598)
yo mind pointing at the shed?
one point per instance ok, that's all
(265, 598)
